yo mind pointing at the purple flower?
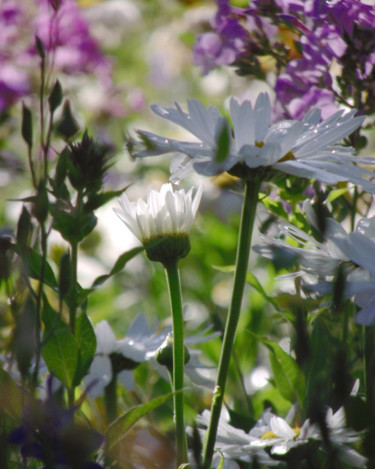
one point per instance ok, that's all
(49, 434)
(65, 35)
(223, 46)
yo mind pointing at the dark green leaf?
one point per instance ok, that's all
(27, 125)
(60, 349)
(56, 96)
(86, 339)
(118, 429)
(34, 263)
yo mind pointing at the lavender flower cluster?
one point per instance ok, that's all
(322, 51)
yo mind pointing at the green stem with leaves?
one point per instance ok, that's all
(242, 259)
(174, 287)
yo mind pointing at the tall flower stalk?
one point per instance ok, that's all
(242, 259)
(162, 225)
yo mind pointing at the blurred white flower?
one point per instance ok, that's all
(304, 148)
(355, 250)
(139, 345)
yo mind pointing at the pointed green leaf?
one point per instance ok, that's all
(86, 339)
(118, 429)
(288, 377)
(119, 265)
(98, 200)
(254, 282)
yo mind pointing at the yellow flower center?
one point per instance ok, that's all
(270, 434)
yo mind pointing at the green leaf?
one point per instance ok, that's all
(223, 144)
(98, 200)
(12, 396)
(254, 282)
(60, 349)
(27, 125)
(86, 339)
(119, 265)
(336, 193)
(34, 263)
(288, 377)
(55, 98)
(118, 429)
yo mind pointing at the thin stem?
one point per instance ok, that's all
(110, 399)
(73, 299)
(242, 259)
(43, 242)
(174, 287)
(370, 367)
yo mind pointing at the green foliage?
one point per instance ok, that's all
(289, 379)
(67, 356)
(118, 429)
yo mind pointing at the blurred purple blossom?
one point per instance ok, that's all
(65, 35)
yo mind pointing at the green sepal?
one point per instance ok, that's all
(168, 249)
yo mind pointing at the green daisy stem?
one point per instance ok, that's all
(242, 259)
(174, 287)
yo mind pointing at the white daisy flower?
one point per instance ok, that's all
(167, 216)
(274, 437)
(166, 213)
(139, 345)
(304, 148)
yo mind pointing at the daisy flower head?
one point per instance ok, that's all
(163, 222)
(249, 147)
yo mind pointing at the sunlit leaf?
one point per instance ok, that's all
(118, 429)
